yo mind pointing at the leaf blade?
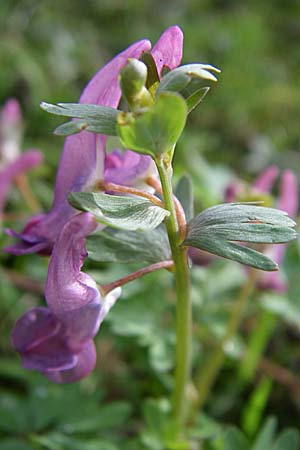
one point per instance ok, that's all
(129, 213)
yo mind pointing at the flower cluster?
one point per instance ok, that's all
(57, 340)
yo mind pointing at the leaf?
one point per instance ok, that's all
(184, 193)
(178, 79)
(196, 97)
(109, 416)
(127, 213)
(128, 246)
(266, 435)
(235, 440)
(157, 130)
(215, 228)
(15, 444)
(288, 440)
(95, 118)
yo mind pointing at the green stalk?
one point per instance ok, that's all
(183, 304)
(211, 368)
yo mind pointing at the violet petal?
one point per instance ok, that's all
(168, 49)
(85, 363)
(82, 159)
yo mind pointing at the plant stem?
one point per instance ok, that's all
(181, 220)
(106, 288)
(183, 305)
(112, 187)
(212, 367)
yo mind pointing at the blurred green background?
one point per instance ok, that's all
(250, 119)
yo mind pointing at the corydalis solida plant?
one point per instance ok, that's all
(160, 94)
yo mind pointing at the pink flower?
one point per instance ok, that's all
(12, 162)
(82, 162)
(58, 340)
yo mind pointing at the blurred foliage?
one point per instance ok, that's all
(48, 51)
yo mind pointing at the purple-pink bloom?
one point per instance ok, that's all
(58, 340)
(129, 168)
(287, 201)
(83, 157)
(12, 162)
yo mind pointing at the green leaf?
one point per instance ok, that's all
(184, 193)
(95, 118)
(128, 246)
(195, 98)
(215, 228)
(178, 79)
(109, 416)
(235, 440)
(288, 440)
(127, 213)
(158, 129)
(15, 444)
(265, 438)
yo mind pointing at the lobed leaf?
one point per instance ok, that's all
(215, 230)
(128, 246)
(127, 213)
(178, 79)
(94, 118)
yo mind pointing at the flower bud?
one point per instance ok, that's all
(132, 80)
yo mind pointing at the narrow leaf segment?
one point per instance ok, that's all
(215, 230)
(95, 118)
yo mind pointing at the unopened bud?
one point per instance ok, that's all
(133, 79)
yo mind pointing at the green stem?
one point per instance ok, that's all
(183, 305)
(212, 367)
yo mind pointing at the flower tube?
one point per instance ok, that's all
(57, 340)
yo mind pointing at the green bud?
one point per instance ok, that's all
(132, 79)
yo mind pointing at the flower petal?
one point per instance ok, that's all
(39, 338)
(265, 181)
(126, 168)
(168, 49)
(85, 363)
(67, 288)
(82, 159)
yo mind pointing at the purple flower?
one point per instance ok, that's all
(83, 157)
(12, 162)
(58, 340)
(288, 199)
(288, 202)
(129, 168)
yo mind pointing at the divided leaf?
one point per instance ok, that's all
(127, 213)
(178, 79)
(157, 130)
(129, 246)
(94, 118)
(215, 229)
